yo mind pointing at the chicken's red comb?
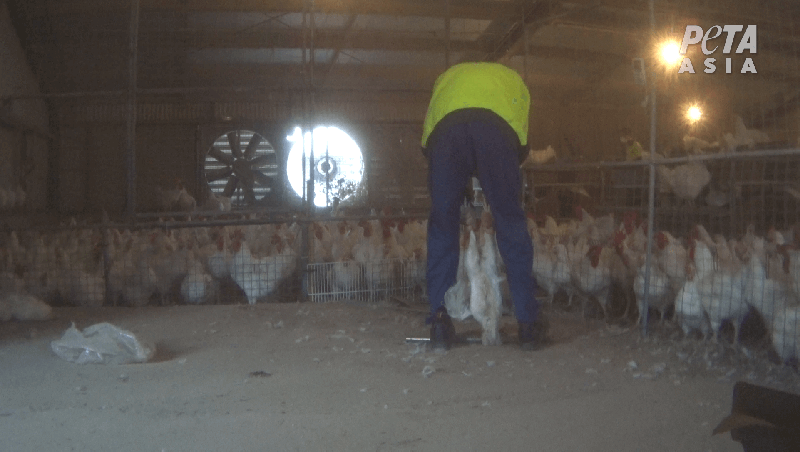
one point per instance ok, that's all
(661, 240)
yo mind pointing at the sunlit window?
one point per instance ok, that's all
(338, 166)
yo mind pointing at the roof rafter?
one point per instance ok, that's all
(467, 9)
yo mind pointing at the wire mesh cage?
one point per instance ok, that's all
(369, 281)
(371, 259)
(108, 266)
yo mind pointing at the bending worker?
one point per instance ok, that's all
(477, 121)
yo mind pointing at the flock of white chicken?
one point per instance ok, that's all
(137, 268)
(368, 257)
(140, 267)
(707, 280)
(480, 279)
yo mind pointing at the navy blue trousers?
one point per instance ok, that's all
(454, 156)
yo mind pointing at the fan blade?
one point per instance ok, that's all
(219, 173)
(230, 187)
(247, 178)
(247, 186)
(249, 196)
(233, 140)
(261, 160)
(251, 146)
(220, 156)
(261, 179)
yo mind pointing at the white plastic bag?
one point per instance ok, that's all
(102, 343)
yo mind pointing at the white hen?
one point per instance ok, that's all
(457, 297)
(484, 302)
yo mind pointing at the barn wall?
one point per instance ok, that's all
(173, 135)
(582, 131)
(23, 123)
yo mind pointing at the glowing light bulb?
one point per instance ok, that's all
(670, 53)
(694, 113)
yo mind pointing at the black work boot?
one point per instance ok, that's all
(443, 333)
(533, 336)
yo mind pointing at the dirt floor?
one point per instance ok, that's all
(340, 376)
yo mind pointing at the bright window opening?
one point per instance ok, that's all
(337, 167)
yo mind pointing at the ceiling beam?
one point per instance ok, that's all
(347, 34)
(287, 39)
(466, 9)
(576, 54)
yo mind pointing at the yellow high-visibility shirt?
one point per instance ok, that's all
(492, 86)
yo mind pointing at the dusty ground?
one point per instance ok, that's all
(340, 377)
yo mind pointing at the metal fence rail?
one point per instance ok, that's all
(370, 281)
(726, 256)
(762, 190)
(195, 262)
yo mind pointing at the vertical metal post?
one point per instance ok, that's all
(652, 187)
(312, 110)
(308, 119)
(304, 102)
(304, 231)
(131, 112)
(526, 180)
(447, 33)
(327, 174)
(526, 47)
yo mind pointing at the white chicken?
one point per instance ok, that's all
(217, 203)
(370, 253)
(592, 275)
(766, 292)
(689, 310)
(198, 286)
(219, 262)
(685, 181)
(176, 199)
(456, 299)
(169, 260)
(697, 146)
(722, 292)
(484, 301)
(599, 231)
(255, 276)
(743, 136)
(539, 157)
(490, 267)
(81, 284)
(786, 333)
(658, 289)
(23, 307)
(544, 265)
(671, 256)
(345, 276)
